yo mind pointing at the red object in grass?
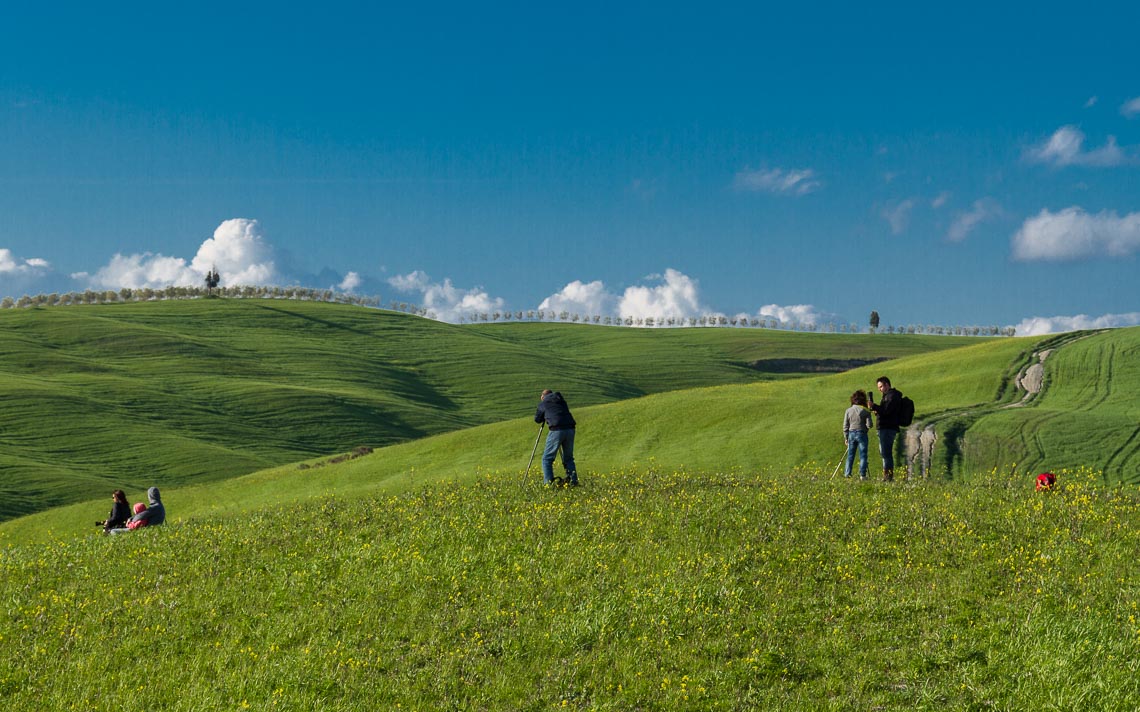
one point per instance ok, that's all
(1045, 481)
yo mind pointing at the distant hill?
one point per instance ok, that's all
(102, 396)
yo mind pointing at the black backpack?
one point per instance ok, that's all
(906, 411)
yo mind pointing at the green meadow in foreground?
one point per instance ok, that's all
(643, 589)
(97, 397)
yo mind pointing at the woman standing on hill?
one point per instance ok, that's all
(856, 422)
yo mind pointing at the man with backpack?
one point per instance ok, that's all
(894, 412)
(553, 411)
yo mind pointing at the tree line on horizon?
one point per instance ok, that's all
(707, 320)
(147, 294)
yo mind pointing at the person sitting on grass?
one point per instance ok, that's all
(120, 512)
(137, 523)
(149, 516)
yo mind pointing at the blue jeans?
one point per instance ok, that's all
(556, 439)
(887, 448)
(856, 440)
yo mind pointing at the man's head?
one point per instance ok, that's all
(545, 393)
(883, 384)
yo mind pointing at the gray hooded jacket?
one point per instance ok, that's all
(155, 513)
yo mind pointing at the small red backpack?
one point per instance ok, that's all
(1045, 481)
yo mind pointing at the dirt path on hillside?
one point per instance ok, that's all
(921, 438)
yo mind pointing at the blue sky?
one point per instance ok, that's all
(960, 165)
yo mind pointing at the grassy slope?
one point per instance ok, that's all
(634, 592)
(770, 426)
(1088, 415)
(98, 397)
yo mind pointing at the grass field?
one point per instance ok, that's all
(1088, 414)
(644, 589)
(709, 561)
(98, 397)
(767, 426)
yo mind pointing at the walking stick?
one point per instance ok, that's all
(841, 461)
(532, 452)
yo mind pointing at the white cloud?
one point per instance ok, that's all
(142, 270)
(1091, 102)
(898, 216)
(1066, 148)
(237, 250)
(675, 295)
(1039, 325)
(983, 210)
(350, 282)
(582, 298)
(678, 297)
(940, 199)
(10, 265)
(239, 253)
(1074, 234)
(444, 300)
(1131, 108)
(795, 314)
(777, 180)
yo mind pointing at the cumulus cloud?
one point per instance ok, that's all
(11, 266)
(1131, 108)
(239, 253)
(1066, 148)
(142, 270)
(1039, 325)
(777, 181)
(582, 298)
(673, 295)
(237, 250)
(677, 296)
(1074, 234)
(983, 210)
(350, 282)
(898, 216)
(444, 300)
(795, 314)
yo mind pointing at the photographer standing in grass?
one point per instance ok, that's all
(889, 412)
(553, 411)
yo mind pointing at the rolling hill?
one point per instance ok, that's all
(103, 396)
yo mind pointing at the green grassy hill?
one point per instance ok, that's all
(640, 590)
(98, 397)
(771, 426)
(1087, 415)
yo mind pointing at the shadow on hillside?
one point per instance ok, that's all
(412, 386)
(811, 365)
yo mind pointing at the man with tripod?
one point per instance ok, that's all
(553, 411)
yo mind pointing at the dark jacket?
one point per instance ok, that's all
(553, 410)
(155, 513)
(120, 513)
(889, 410)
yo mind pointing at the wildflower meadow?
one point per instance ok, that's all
(642, 589)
